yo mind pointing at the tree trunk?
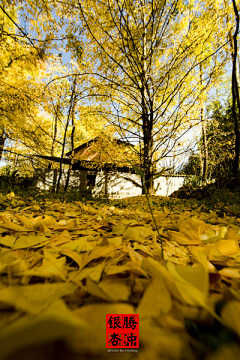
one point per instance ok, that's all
(235, 92)
(147, 163)
(204, 151)
(147, 149)
(146, 120)
(53, 143)
(71, 105)
(201, 163)
(2, 142)
(204, 139)
(54, 180)
(106, 184)
(57, 112)
(72, 148)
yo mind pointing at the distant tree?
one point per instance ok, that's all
(192, 167)
(220, 138)
(220, 142)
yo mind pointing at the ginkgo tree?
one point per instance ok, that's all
(147, 56)
(27, 116)
(21, 73)
(143, 58)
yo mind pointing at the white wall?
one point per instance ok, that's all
(116, 185)
(166, 185)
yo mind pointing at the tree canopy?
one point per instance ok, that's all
(141, 70)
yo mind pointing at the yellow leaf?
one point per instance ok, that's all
(181, 239)
(156, 270)
(51, 268)
(134, 256)
(36, 207)
(45, 219)
(80, 259)
(143, 248)
(131, 266)
(223, 231)
(96, 314)
(7, 240)
(200, 255)
(131, 234)
(69, 226)
(144, 232)
(93, 289)
(231, 315)
(156, 300)
(158, 342)
(129, 221)
(118, 229)
(43, 228)
(12, 226)
(101, 251)
(117, 241)
(227, 247)
(224, 247)
(109, 290)
(27, 241)
(79, 245)
(10, 195)
(231, 235)
(18, 266)
(20, 203)
(230, 272)
(138, 233)
(34, 332)
(61, 238)
(170, 322)
(34, 298)
(96, 226)
(25, 221)
(94, 273)
(192, 228)
(213, 214)
(192, 282)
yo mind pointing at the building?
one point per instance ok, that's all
(103, 167)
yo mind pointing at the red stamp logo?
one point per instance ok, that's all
(122, 331)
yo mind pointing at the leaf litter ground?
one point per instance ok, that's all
(64, 266)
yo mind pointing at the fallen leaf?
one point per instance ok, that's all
(229, 315)
(156, 300)
(192, 282)
(12, 226)
(109, 290)
(35, 298)
(27, 241)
